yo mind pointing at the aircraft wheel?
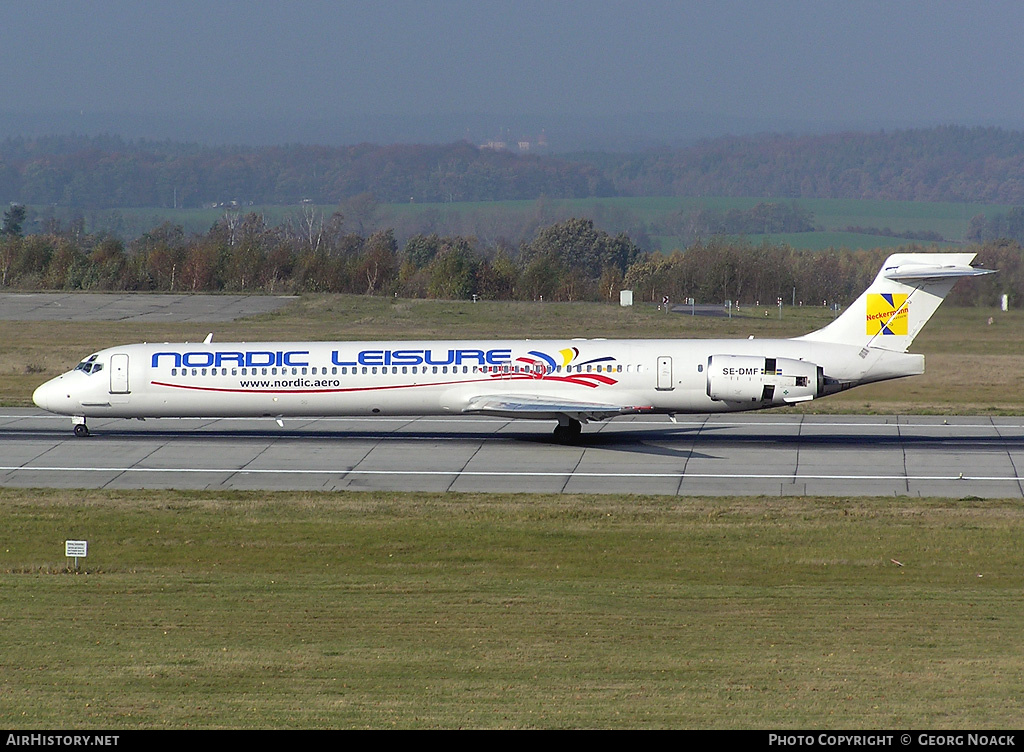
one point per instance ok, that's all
(81, 430)
(566, 434)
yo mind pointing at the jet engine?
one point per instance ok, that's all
(772, 381)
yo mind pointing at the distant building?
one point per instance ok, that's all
(521, 146)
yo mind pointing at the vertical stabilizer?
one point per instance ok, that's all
(897, 305)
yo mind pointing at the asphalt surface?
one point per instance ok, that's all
(754, 454)
(153, 308)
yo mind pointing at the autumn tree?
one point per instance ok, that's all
(453, 270)
(379, 261)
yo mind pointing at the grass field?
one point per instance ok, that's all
(834, 216)
(235, 610)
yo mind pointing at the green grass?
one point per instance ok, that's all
(819, 241)
(950, 220)
(297, 610)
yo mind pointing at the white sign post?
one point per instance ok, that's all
(75, 549)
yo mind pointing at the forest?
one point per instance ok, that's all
(569, 260)
(950, 163)
(546, 257)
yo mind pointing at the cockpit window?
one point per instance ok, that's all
(89, 365)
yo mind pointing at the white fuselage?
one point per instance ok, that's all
(445, 377)
(571, 381)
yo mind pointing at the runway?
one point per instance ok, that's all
(761, 454)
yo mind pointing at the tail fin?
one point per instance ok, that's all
(897, 305)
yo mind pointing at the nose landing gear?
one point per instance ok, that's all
(80, 428)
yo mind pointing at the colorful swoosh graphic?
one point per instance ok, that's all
(541, 365)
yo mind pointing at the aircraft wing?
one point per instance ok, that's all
(546, 408)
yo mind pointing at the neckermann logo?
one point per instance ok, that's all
(887, 314)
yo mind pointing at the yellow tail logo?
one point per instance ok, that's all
(887, 314)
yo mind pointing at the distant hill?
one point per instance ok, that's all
(951, 163)
(106, 172)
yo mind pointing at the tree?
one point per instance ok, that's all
(14, 218)
(200, 267)
(498, 278)
(379, 261)
(10, 250)
(453, 270)
(420, 250)
(67, 266)
(360, 212)
(610, 283)
(541, 277)
(579, 247)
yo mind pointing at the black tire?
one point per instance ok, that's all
(568, 434)
(81, 430)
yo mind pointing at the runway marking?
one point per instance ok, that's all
(709, 421)
(508, 473)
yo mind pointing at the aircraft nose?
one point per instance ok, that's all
(41, 396)
(46, 395)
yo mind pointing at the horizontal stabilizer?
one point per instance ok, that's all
(923, 272)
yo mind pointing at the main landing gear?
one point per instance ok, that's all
(568, 432)
(80, 428)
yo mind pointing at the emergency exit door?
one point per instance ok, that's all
(664, 373)
(119, 373)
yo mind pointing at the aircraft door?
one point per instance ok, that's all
(664, 373)
(119, 373)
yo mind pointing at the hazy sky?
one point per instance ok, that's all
(849, 63)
